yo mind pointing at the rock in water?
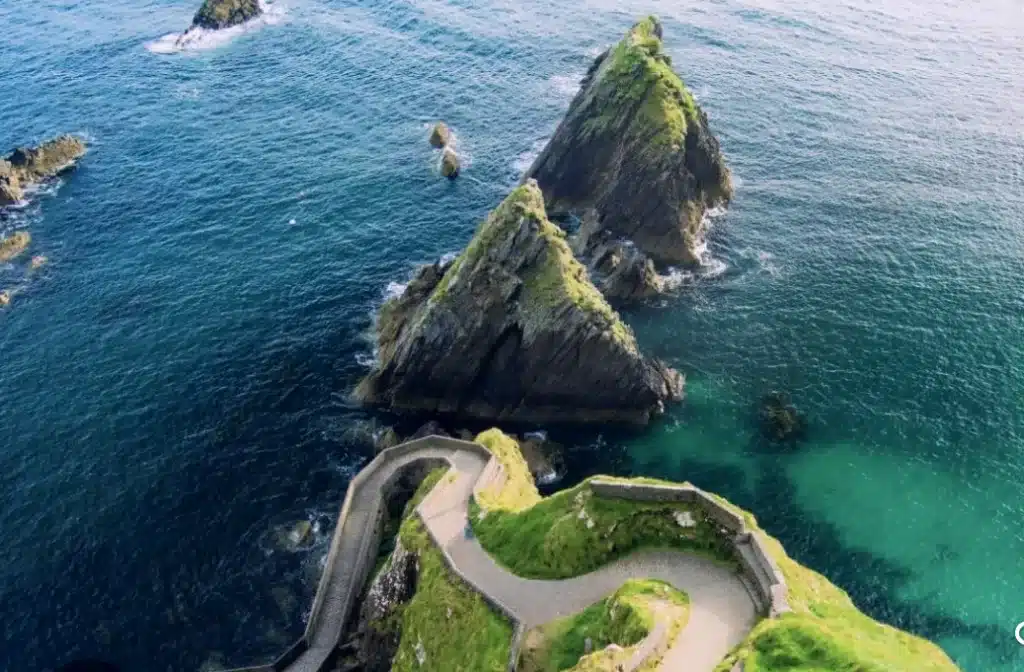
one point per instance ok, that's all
(26, 166)
(634, 153)
(440, 135)
(14, 244)
(449, 163)
(626, 274)
(513, 329)
(780, 419)
(217, 14)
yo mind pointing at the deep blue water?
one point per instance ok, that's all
(173, 383)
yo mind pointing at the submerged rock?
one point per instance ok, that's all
(14, 244)
(294, 537)
(780, 419)
(218, 14)
(440, 135)
(513, 329)
(449, 163)
(5, 298)
(26, 166)
(38, 261)
(634, 153)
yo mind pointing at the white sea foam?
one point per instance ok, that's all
(448, 257)
(366, 360)
(394, 290)
(201, 39)
(523, 162)
(565, 85)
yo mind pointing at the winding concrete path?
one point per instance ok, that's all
(721, 610)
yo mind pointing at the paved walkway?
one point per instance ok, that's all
(721, 610)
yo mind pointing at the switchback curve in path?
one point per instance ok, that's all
(721, 609)
(722, 612)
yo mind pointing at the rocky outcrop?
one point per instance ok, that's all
(624, 273)
(513, 329)
(26, 166)
(218, 14)
(13, 245)
(380, 616)
(450, 163)
(634, 154)
(440, 135)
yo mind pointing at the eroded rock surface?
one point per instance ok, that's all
(514, 329)
(634, 154)
(26, 166)
(218, 14)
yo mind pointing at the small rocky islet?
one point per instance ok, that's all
(513, 329)
(220, 14)
(636, 160)
(28, 166)
(22, 169)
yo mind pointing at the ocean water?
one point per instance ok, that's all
(173, 382)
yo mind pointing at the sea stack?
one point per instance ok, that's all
(513, 329)
(634, 156)
(26, 166)
(218, 14)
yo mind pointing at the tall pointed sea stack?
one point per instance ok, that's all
(634, 155)
(514, 330)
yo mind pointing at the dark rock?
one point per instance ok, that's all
(450, 163)
(432, 428)
(780, 419)
(625, 273)
(440, 135)
(634, 152)
(545, 458)
(218, 14)
(514, 330)
(380, 616)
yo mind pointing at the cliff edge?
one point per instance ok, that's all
(513, 329)
(634, 155)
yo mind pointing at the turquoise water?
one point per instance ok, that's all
(173, 381)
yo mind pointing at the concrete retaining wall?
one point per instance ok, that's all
(749, 546)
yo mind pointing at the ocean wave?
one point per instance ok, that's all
(523, 161)
(201, 39)
(565, 85)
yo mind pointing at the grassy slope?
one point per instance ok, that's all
(826, 633)
(446, 620)
(623, 618)
(638, 71)
(555, 280)
(573, 532)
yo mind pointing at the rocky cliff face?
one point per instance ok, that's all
(634, 154)
(26, 166)
(217, 14)
(514, 329)
(381, 613)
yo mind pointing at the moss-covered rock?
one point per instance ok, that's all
(450, 163)
(635, 154)
(440, 135)
(217, 14)
(26, 166)
(514, 329)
